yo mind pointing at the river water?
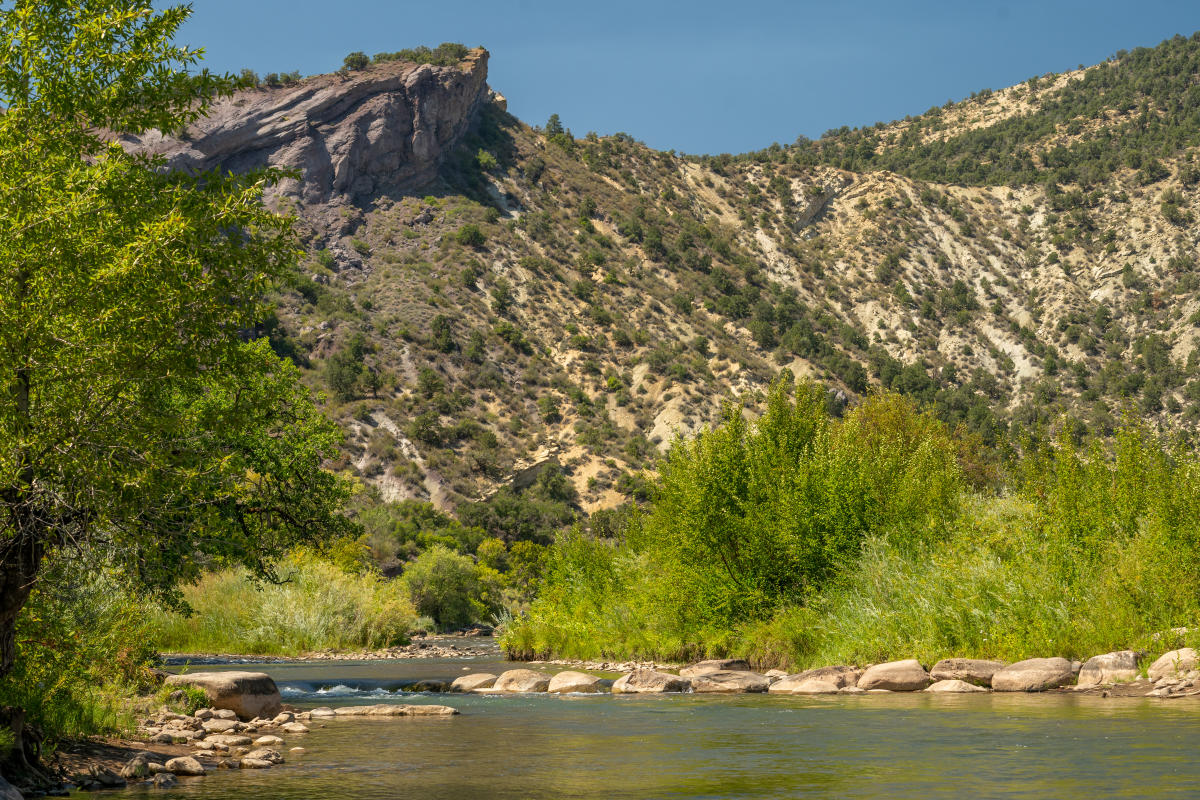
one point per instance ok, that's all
(706, 746)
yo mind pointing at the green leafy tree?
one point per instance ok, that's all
(451, 588)
(136, 422)
(356, 61)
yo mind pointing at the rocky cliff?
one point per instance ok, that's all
(385, 128)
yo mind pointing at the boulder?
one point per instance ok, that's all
(715, 665)
(246, 694)
(1034, 675)
(1174, 664)
(136, 767)
(266, 754)
(322, 713)
(729, 682)
(473, 682)
(283, 718)
(224, 713)
(895, 676)
(229, 739)
(185, 765)
(971, 670)
(522, 680)
(953, 686)
(254, 763)
(8, 791)
(569, 681)
(222, 725)
(822, 680)
(268, 741)
(1118, 667)
(294, 727)
(645, 681)
(164, 780)
(390, 710)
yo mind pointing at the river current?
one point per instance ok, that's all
(708, 746)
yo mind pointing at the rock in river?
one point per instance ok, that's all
(895, 676)
(644, 681)
(522, 680)
(971, 670)
(570, 681)
(729, 682)
(822, 680)
(715, 665)
(1034, 675)
(473, 682)
(954, 686)
(185, 765)
(246, 694)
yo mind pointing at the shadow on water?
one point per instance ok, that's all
(743, 746)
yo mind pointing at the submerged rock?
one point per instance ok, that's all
(954, 686)
(895, 676)
(1034, 675)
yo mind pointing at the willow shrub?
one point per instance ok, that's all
(747, 518)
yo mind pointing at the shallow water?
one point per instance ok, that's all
(704, 746)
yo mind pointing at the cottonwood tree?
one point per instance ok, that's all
(136, 423)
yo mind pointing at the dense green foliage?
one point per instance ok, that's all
(1150, 91)
(1081, 551)
(446, 54)
(316, 605)
(452, 588)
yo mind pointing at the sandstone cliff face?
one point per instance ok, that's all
(385, 128)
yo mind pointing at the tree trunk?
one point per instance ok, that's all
(20, 559)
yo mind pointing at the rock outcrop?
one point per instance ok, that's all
(387, 127)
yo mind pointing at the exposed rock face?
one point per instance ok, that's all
(1118, 667)
(246, 694)
(1173, 664)
(385, 127)
(971, 670)
(895, 676)
(1034, 675)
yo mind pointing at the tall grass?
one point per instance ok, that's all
(317, 606)
(1080, 552)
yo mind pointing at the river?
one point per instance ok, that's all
(706, 746)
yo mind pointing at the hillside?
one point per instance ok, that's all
(481, 298)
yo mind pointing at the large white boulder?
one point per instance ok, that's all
(729, 682)
(522, 680)
(1118, 667)
(1173, 664)
(895, 676)
(246, 694)
(571, 681)
(822, 680)
(646, 681)
(972, 670)
(1034, 675)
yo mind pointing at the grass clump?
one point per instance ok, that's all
(317, 605)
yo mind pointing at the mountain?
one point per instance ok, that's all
(482, 299)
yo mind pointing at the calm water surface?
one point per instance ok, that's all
(698, 746)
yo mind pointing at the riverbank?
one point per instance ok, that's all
(418, 648)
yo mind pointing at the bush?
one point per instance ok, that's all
(470, 235)
(452, 588)
(356, 61)
(318, 606)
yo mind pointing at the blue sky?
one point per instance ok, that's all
(703, 76)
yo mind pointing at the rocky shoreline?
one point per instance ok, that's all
(1174, 674)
